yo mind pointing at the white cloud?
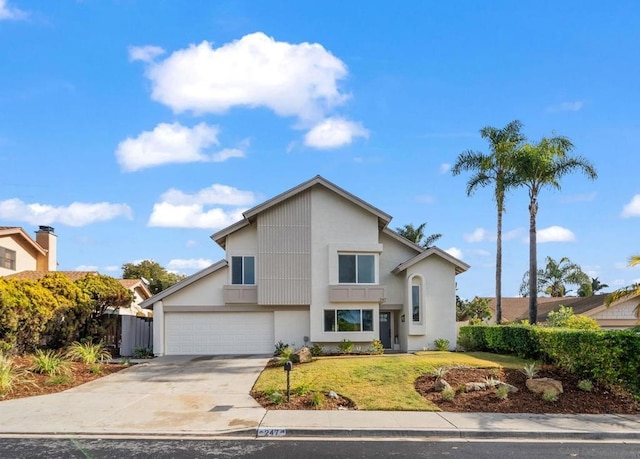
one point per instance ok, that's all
(509, 235)
(181, 210)
(227, 153)
(555, 234)
(256, 71)
(479, 234)
(566, 107)
(215, 194)
(189, 264)
(632, 209)
(172, 143)
(585, 197)
(86, 268)
(192, 216)
(8, 12)
(112, 268)
(455, 252)
(145, 53)
(444, 168)
(333, 133)
(75, 214)
(425, 199)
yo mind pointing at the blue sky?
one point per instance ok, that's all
(139, 128)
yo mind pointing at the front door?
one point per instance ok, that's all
(385, 329)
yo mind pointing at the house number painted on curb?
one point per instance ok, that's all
(274, 432)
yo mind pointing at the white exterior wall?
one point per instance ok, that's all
(291, 327)
(337, 224)
(207, 291)
(394, 254)
(26, 259)
(158, 328)
(439, 309)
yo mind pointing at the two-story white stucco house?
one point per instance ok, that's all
(314, 264)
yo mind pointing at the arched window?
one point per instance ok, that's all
(416, 299)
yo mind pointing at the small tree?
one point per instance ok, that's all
(476, 310)
(107, 295)
(565, 317)
(158, 277)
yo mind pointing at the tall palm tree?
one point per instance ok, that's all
(416, 235)
(493, 169)
(556, 275)
(538, 166)
(630, 290)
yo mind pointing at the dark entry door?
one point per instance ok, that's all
(385, 329)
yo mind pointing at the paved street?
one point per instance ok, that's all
(100, 448)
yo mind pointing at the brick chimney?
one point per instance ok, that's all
(48, 241)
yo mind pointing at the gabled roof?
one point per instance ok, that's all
(36, 275)
(184, 283)
(132, 284)
(403, 240)
(250, 215)
(16, 230)
(460, 265)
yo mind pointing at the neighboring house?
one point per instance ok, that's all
(18, 252)
(314, 264)
(23, 258)
(620, 314)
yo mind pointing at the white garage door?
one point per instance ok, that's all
(212, 333)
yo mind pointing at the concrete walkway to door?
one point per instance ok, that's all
(167, 395)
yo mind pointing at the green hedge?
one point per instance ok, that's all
(610, 357)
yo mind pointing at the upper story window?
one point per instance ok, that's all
(7, 258)
(356, 269)
(243, 270)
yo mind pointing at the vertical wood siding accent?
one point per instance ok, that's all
(284, 252)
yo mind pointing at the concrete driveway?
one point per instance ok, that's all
(167, 395)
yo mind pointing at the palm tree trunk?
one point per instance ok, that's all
(533, 260)
(499, 267)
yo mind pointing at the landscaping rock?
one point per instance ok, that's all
(332, 394)
(542, 385)
(302, 355)
(474, 386)
(441, 385)
(510, 388)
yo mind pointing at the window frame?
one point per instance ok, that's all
(416, 309)
(357, 272)
(7, 258)
(243, 269)
(335, 324)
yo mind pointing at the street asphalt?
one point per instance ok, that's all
(205, 396)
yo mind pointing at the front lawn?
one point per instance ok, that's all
(384, 382)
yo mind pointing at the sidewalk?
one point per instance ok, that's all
(449, 425)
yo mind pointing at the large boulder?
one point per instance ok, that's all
(302, 355)
(441, 385)
(542, 385)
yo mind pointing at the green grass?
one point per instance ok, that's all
(378, 382)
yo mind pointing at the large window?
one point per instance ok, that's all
(7, 258)
(356, 269)
(348, 320)
(243, 270)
